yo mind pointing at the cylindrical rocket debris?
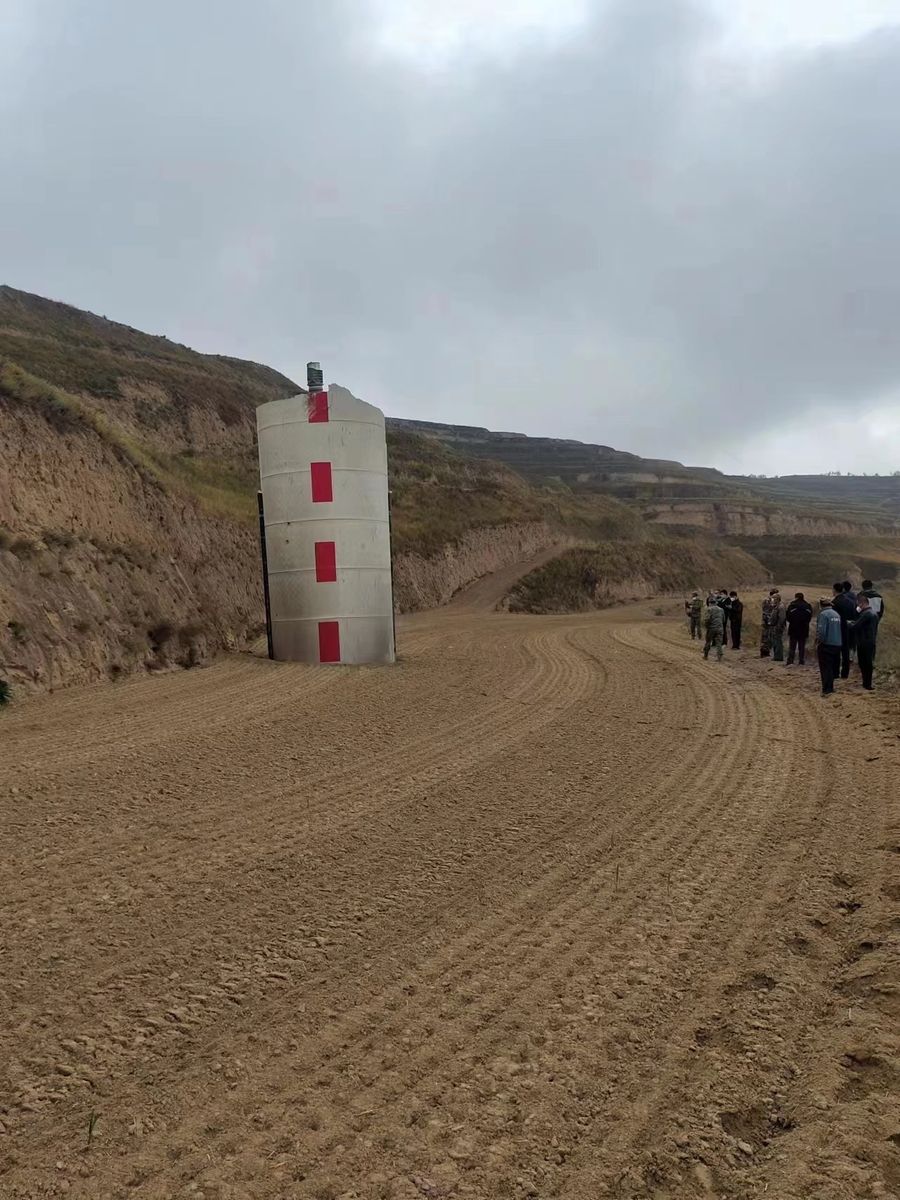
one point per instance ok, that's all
(323, 475)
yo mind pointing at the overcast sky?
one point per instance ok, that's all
(671, 226)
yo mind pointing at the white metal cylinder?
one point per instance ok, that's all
(323, 475)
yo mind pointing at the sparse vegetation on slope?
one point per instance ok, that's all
(85, 353)
(626, 570)
(220, 486)
(438, 494)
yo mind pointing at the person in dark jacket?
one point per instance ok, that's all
(848, 591)
(736, 617)
(799, 615)
(865, 632)
(876, 600)
(724, 602)
(846, 610)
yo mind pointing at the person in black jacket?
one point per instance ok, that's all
(865, 630)
(846, 610)
(736, 616)
(848, 591)
(724, 602)
(876, 600)
(799, 615)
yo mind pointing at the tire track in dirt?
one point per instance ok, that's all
(515, 951)
(815, 831)
(514, 1012)
(657, 1083)
(544, 982)
(561, 677)
(112, 723)
(486, 731)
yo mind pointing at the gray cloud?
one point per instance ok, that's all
(616, 237)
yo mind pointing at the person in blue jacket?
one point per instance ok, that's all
(829, 641)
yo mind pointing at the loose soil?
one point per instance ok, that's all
(552, 909)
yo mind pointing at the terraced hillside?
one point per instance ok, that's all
(814, 527)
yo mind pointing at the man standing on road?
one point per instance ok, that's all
(777, 622)
(846, 611)
(694, 610)
(799, 615)
(724, 602)
(736, 615)
(828, 645)
(865, 633)
(876, 600)
(765, 626)
(849, 592)
(715, 629)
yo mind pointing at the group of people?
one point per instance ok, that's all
(846, 627)
(723, 610)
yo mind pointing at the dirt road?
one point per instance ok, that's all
(485, 594)
(551, 909)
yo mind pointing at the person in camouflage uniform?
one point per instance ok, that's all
(714, 620)
(774, 616)
(765, 637)
(694, 610)
(777, 622)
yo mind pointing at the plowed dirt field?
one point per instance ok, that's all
(554, 908)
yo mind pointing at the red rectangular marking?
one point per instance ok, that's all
(317, 407)
(320, 482)
(326, 563)
(329, 641)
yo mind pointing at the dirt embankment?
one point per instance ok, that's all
(102, 571)
(429, 581)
